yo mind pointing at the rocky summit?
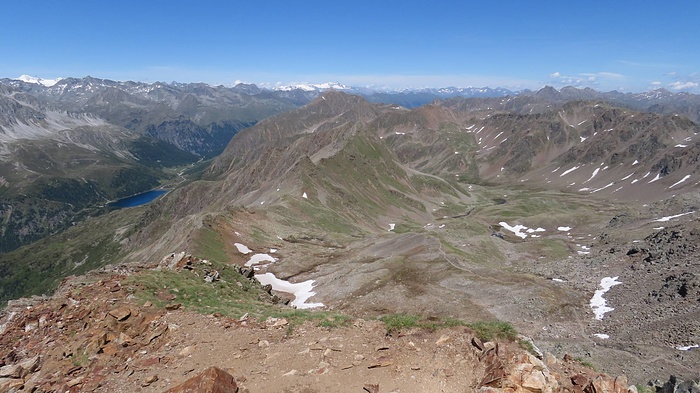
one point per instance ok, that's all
(322, 241)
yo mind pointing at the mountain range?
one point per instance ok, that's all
(504, 206)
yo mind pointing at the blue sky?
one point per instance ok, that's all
(607, 45)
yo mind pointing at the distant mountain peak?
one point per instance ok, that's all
(314, 87)
(38, 81)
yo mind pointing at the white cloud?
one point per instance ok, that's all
(683, 85)
(603, 74)
(603, 79)
(656, 83)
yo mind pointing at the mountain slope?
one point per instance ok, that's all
(456, 212)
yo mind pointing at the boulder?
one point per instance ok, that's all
(11, 371)
(211, 380)
(121, 313)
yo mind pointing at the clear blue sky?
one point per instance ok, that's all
(623, 45)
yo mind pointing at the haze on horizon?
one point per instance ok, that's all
(602, 45)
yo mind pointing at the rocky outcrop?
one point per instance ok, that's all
(516, 372)
(69, 343)
(211, 380)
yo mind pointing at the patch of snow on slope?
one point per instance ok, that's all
(669, 218)
(302, 291)
(257, 258)
(602, 335)
(602, 188)
(658, 176)
(688, 348)
(627, 177)
(680, 181)
(305, 196)
(392, 226)
(595, 172)
(598, 303)
(583, 138)
(242, 248)
(566, 172)
(564, 229)
(681, 145)
(515, 229)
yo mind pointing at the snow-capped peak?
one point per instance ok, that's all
(38, 81)
(313, 87)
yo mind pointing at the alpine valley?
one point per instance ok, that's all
(570, 216)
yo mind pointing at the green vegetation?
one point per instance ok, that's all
(493, 330)
(233, 295)
(645, 389)
(398, 322)
(485, 331)
(209, 244)
(38, 268)
(585, 363)
(80, 358)
(527, 345)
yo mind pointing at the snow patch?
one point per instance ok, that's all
(602, 335)
(680, 181)
(305, 196)
(688, 348)
(658, 176)
(515, 229)
(392, 226)
(564, 229)
(595, 172)
(257, 258)
(302, 291)
(598, 303)
(668, 218)
(602, 188)
(569, 171)
(242, 248)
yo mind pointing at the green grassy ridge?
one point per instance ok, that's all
(233, 295)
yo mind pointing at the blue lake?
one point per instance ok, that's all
(138, 199)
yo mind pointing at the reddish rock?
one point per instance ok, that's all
(579, 380)
(121, 313)
(11, 371)
(477, 343)
(211, 380)
(10, 384)
(606, 384)
(149, 362)
(495, 372)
